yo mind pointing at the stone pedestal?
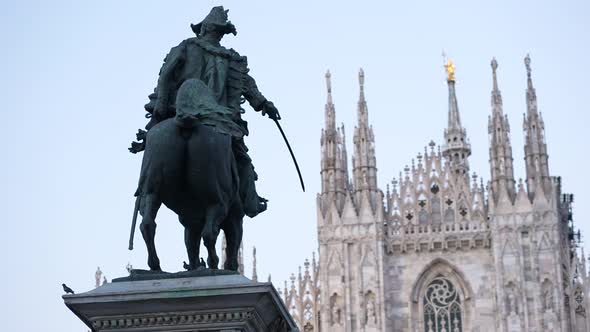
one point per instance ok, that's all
(228, 303)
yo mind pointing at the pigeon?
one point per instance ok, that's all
(67, 289)
(185, 266)
(203, 263)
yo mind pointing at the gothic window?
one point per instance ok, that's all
(435, 206)
(449, 215)
(442, 307)
(422, 217)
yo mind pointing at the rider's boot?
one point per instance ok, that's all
(253, 204)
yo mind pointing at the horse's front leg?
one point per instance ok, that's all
(149, 209)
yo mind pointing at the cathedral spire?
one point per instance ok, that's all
(333, 161)
(362, 113)
(363, 161)
(457, 148)
(330, 113)
(535, 148)
(501, 161)
(454, 117)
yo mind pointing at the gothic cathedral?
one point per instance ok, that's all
(438, 251)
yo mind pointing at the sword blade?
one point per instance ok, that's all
(291, 152)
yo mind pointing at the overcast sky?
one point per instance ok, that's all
(76, 74)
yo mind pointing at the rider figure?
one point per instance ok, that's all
(225, 73)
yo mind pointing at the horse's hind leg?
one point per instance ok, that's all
(149, 209)
(192, 239)
(232, 228)
(210, 235)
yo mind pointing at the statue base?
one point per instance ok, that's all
(223, 302)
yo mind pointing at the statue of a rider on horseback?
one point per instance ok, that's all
(195, 160)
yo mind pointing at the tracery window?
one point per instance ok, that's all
(442, 307)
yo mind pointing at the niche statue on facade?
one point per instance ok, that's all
(548, 299)
(370, 312)
(511, 302)
(335, 310)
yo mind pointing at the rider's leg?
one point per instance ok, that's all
(252, 203)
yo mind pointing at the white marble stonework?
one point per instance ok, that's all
(439, 250)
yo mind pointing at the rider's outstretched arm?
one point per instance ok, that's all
(253, 95)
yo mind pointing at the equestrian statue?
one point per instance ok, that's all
(195, 160)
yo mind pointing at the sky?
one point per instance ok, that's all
(76, 75)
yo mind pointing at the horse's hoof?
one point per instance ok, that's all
(155, 266)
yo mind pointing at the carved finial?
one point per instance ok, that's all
(329, 86)
(450, 68)
(431, 145)
(362, 78)
(362, 85)
(494, 64)
(527, 63)
(407, 171)
(494, 67)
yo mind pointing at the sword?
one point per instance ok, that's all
(290, 151)
(134, 221)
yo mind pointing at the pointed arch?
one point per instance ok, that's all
(435, 271)
(440, 266)
(368, 259)
(544, 243)
(509, 247)
(368, 265)
(335, 262)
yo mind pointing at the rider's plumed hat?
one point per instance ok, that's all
(218, 18)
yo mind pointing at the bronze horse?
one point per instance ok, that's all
(193, 172)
